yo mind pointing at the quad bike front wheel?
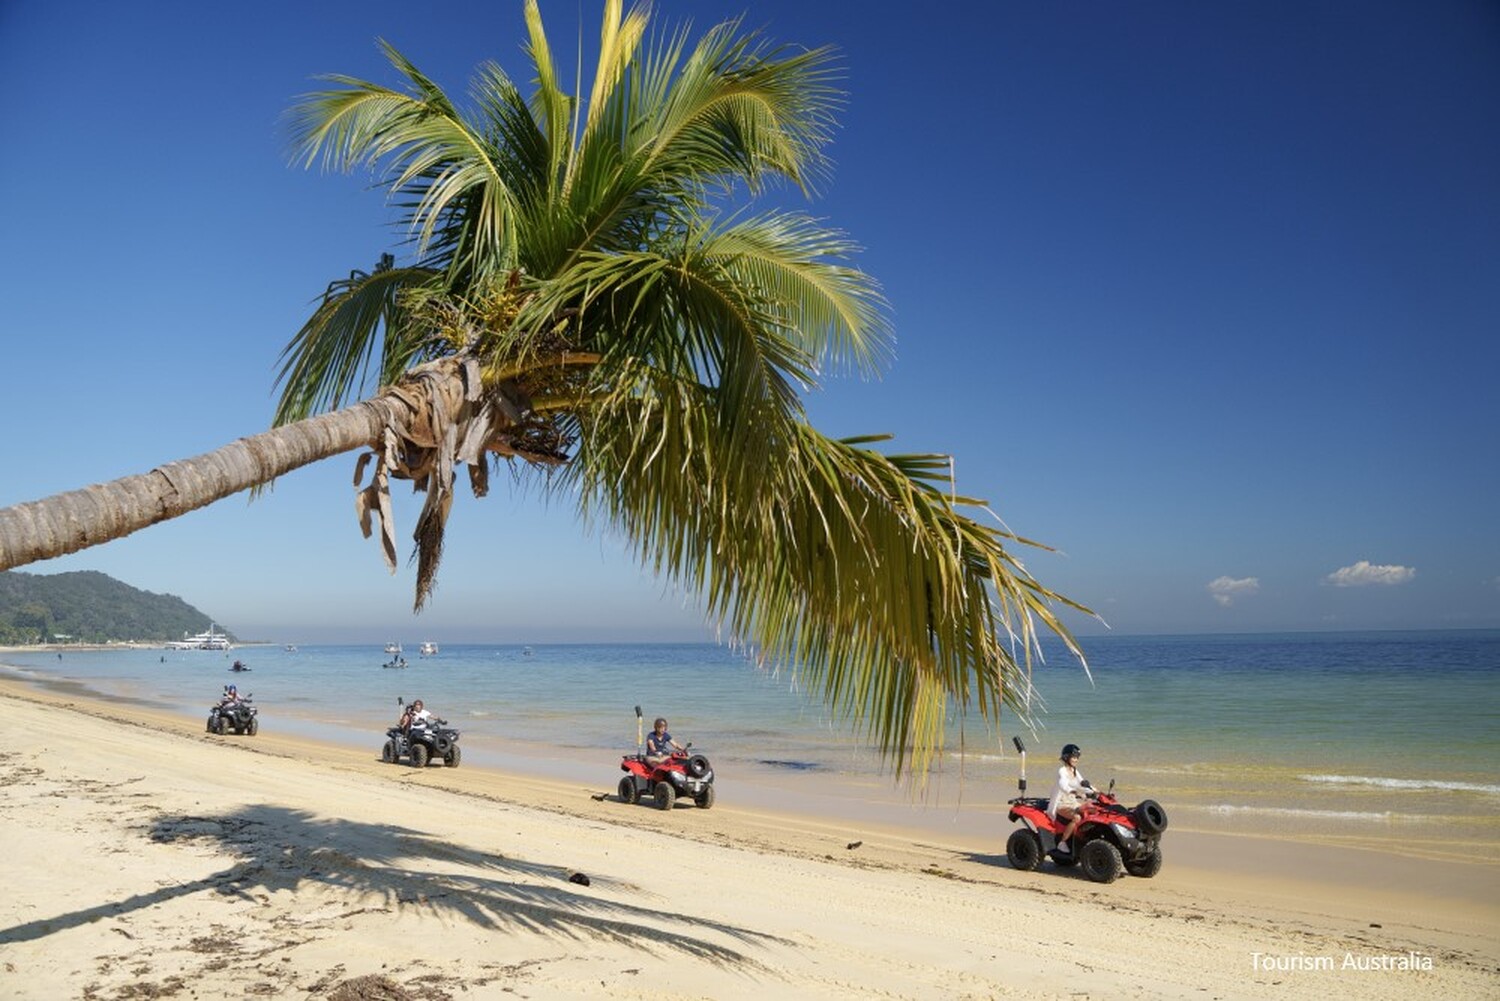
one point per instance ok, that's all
(388, 752)
(705, 799)
(252, 727)
(1147, 866)
(665, 795)
(418, 755)
(453, 757)
(1024, 849)
(1101, 861)
(628, 794)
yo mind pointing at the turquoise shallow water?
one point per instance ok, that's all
(1356, 736)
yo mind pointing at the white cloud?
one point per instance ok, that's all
(1226, 589)
(1364, 573)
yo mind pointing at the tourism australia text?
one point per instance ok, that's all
(1349, 961)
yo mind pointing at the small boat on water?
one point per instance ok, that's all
(396, 661)
(429, 649)
(290, 648)
(201, 641)
(393, 648)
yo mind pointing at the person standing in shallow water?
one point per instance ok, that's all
(1069, 794)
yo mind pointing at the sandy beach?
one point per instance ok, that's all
(147, 859)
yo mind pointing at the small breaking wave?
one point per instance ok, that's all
(1416, 785)
(1228, 809)
(1189, 768)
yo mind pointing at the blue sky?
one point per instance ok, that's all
(1203, 295)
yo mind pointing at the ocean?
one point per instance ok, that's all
(1379, 739)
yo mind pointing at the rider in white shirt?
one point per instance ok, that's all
(415, 713)
(1069, 794)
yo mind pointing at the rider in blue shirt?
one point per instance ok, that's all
(659, 743)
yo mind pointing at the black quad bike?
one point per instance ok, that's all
(426, 741)
(1110, 838)
(239, 716)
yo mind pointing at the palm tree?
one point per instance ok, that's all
(592, 297)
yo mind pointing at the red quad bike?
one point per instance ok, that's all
(679, 775)
(1110, 838)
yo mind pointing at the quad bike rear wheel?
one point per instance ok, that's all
(628, 793)
(1145, 867)
(1101, 861)
(1024, 849)
(665, 795)
(705, 799)
(418, 755)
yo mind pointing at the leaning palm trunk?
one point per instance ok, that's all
(68, 522)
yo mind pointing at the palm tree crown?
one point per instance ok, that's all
(591, 294)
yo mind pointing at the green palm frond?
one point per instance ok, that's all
(440, 166)
(552, 108)
(619, 40)
(755, 309)
(738, 108)
(859, 569)
(832, 310)
(330, 360)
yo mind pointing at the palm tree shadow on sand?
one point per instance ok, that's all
(280, 849)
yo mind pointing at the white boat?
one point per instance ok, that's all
(201, 641)
(429, 649)
(393, 648)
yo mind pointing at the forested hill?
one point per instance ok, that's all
(89, 607)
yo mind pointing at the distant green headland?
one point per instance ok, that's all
(86, 606)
